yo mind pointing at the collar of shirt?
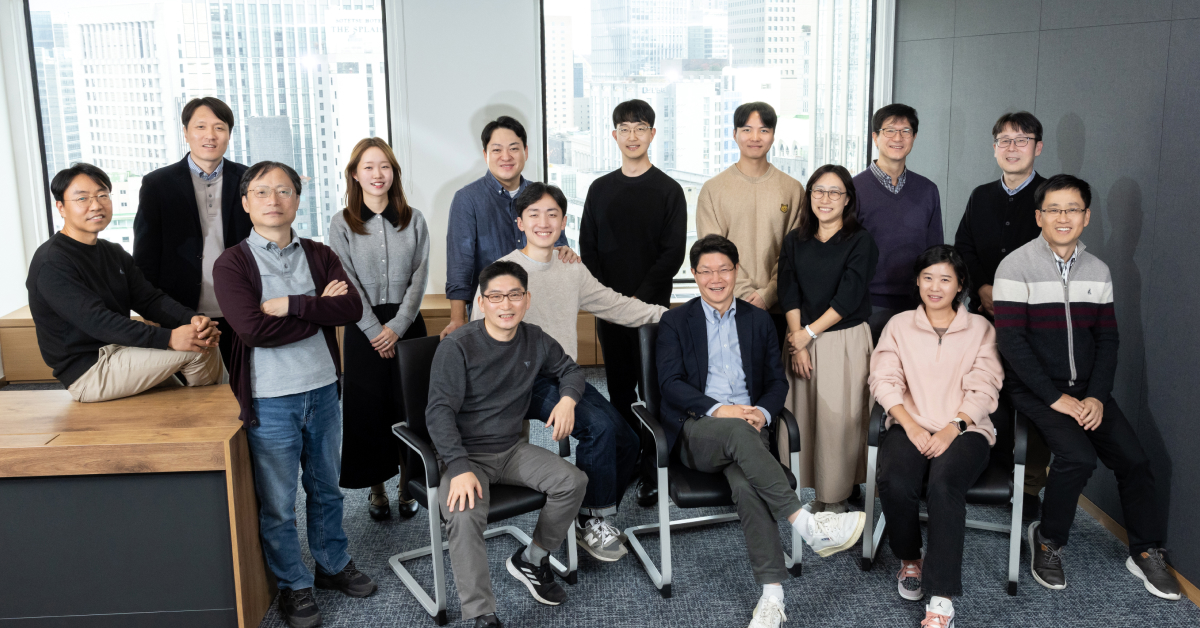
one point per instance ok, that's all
(200, 173)
(499, 188)
(257, 240)
(389, 214)
(886, 179)
(713, 316)
(1023, 185)
(1064, 268)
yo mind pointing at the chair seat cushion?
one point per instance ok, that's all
(695, 489)
(995, 484)
(507, 501)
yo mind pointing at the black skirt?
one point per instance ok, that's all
(371, 404)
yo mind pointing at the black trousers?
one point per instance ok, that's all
(1075, 453)
(901, 480)
(371, 404)
(622, 367)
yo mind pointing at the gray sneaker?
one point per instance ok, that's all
(601, 539)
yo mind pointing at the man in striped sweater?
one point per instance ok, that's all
(1057, 329)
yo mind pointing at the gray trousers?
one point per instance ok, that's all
(759, 484)
(522, 465)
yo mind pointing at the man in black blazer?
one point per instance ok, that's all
(190, 212)
(721, 376)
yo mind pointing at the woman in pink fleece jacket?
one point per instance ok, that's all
(937, 373)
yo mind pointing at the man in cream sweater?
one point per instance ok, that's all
(608, 446)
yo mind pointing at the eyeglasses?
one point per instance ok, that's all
(832, 195)
(1019, 142)
(892, 133)
(1055, 213)
(513, 297)
(103, 199)
(264, 192)
(720, 272)
(640, 131)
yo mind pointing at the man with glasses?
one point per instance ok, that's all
(1057, 330)
(754, 204)
(480, 388)
(633, 239)
(81, 291)
(285, 296)
(901, 209)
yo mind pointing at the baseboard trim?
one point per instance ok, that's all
(1190, 590)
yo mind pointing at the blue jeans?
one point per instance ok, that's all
(608, 447)
(304, 431)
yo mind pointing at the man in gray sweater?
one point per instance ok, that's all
(479, 393)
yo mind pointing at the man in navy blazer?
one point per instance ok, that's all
(721, 377)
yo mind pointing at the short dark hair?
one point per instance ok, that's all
(713, 243)
(501, 268)
(263, 167)
(218, 107)
(1022, 121)
(938, 254)
(808, 220)
(534, 193)
(894, 110)
(1063, 182)
(766, 112)
(62, 180)
(635, 111)
(503, 122)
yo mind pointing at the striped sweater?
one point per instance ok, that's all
(1056, 334)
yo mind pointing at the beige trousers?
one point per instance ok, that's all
(126, 371)
(833, 409)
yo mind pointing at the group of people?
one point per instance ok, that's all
(821, 299)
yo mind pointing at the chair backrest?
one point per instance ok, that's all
(416, 361)
(647, 350)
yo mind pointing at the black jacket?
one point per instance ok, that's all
(168, 244)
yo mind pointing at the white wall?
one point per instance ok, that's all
(453, 67)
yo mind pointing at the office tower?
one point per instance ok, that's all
(632, 37)
(842, 83)
(56, 92)
(560, 74)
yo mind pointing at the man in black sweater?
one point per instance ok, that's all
(189, 212)
(633, 239)
(1001, 216)
(81, 291)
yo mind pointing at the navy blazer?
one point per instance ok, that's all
(168, 244)
(682, 355)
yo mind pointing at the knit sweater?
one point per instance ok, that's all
(1056, 334)
(903, 225)
(937, 377)
(994, 225)
(754, 213)
(560, 290)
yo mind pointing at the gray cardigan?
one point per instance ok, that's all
(386, 266)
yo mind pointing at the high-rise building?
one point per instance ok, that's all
(842, 83)
(632, 37)
(560, 74)
(56, 92)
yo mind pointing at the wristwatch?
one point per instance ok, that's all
(962, 425)
(810, 332)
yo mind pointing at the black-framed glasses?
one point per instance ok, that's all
(513, 297)
(1019, 142)
(892, 133)
(1070, 212)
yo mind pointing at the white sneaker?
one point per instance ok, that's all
(601, 539)
(832, 533)
(939, 615)
(768, 613)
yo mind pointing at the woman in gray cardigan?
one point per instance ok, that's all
(384, 247)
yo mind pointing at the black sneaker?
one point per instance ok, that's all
(538, 578)
(488, 621)
(1151, 567)
(299, 608)
(1045, 560)
(349, 580)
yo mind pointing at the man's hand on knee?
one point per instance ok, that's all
(562, 418)
(206, 328)
(1069, 406)
(463, 489)
(186, 338)
(1093, 413)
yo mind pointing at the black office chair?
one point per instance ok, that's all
(686, 487)
(1002, 482)
(416, 360)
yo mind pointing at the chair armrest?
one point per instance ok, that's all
(875, 428)
(660, 437)
(1020, 437)
(416, 443)
(793, 430)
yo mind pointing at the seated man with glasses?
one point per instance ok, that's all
(722, 386)
(81, 291)
(480, 388)
(1057, 330)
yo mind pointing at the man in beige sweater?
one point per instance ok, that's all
(754, 204)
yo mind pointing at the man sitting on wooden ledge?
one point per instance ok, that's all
(81, 291)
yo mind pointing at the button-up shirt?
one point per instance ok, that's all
(1024, 184)
(482, 228)
(200, 173)
(1064, 268)
(726, 379)
(886, 179)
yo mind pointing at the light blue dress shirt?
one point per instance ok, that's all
(726, 381)
(1023, 185)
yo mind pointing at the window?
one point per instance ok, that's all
(695, 63)
(126, 84)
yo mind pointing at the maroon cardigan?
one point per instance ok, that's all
(238, 286)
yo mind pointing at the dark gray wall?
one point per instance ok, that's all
(1116, 86)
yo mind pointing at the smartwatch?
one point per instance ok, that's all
(962, 425)
(810, 332)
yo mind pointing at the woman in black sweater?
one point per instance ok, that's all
(825, 266)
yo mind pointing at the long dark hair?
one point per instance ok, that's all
(938, 254)
(354, 190)
(808, 220)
